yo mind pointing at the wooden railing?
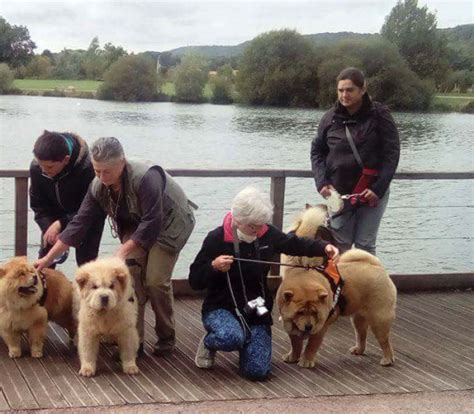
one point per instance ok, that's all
(277, 193)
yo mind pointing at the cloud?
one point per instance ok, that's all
(157, 25)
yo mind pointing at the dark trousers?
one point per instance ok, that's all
(88, 250)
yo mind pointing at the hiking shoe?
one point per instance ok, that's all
(164, 347)
(204, 358)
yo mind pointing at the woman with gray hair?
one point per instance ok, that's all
(152, 217)
(236, 312)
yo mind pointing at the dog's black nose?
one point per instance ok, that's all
(308, 327)
(104, 300)
(35, 279)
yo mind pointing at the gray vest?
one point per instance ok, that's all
(178, 217)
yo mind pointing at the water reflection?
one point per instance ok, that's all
(427, 226)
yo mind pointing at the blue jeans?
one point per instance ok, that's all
(359, 227)
(226, 334)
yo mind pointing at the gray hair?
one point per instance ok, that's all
(251, 206)
(107, 149)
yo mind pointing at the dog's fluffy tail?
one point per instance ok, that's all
(357, 255)
(306, 225)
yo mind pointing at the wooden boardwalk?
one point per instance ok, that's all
(433, 338)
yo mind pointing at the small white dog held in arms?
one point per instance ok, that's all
(106, 307)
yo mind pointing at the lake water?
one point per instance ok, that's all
(427, 228)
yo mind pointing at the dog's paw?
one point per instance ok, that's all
(14, 352)
(87, 371)
(307, 363)
(37, 353)
(290, 358)
(357, 350)
(385, 362)
(130, 369)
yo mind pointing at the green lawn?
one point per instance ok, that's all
(454, 101)
(56, 84)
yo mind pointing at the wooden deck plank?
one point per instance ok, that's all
(433, 339)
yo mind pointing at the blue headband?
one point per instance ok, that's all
(68, 142)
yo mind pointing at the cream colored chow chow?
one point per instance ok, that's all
(305, 301)
(106, 308)
(28, 300)
(311, 223)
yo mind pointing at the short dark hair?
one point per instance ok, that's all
(355, 75)
(51, 146)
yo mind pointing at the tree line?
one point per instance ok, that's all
(405, 65)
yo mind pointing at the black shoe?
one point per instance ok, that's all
(164, 348)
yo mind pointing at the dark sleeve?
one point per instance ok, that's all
(89, 214)
(319, 152)
(201, 272)
(390, 150)
(150, 198)
(297, 246)
(38, 203)
(86, 176)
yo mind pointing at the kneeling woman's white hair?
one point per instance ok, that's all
(251, 206)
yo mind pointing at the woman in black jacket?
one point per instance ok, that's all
(337, 166)
(237, 309)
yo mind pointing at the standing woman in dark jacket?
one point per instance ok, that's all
(60, 175)
(232, 286)
(335, 166)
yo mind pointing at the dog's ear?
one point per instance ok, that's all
(288, 295)
(3, 271)
(121, 277)
(307, 206)
(82, 278)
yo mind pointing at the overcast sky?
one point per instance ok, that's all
(162, 25)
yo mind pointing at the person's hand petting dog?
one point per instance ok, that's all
(332, 252)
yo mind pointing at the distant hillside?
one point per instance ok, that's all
(460, 39)
(232, 51)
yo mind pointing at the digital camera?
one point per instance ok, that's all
(256, 305)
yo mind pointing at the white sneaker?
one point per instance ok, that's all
(204, 358)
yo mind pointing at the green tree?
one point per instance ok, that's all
(278, 68)
(413, 30)
(69, 65)
(39, 67)
(16, 47)
(93, 62)
(190, 77)
(6, 78)
(130, 78)
(389, 78)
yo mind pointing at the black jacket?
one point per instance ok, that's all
(376, 137)
(59, 198)
(203, 276)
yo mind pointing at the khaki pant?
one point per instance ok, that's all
(152, 280)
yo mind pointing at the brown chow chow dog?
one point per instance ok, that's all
(106, 308)
(305, 300)
(26, 305)
(311, 223)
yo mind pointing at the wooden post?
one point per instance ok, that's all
(21, 215)
(277, 194)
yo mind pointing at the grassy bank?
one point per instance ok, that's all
(452, 101)
(56, 85)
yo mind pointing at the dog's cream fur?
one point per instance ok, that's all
(305, 300)
(307, 224)
(106, 308)
(20, 311)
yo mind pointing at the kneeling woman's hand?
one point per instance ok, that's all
(332, 252)
(222, 263)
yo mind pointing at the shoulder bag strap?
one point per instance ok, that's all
(353, 147)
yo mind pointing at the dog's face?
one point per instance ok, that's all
(103, 283)
(304, 309)
(19, 283)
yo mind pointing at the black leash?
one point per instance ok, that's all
(307, 267)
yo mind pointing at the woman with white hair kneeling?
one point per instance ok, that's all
(236, 312)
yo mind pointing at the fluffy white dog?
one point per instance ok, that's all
(106, 307)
